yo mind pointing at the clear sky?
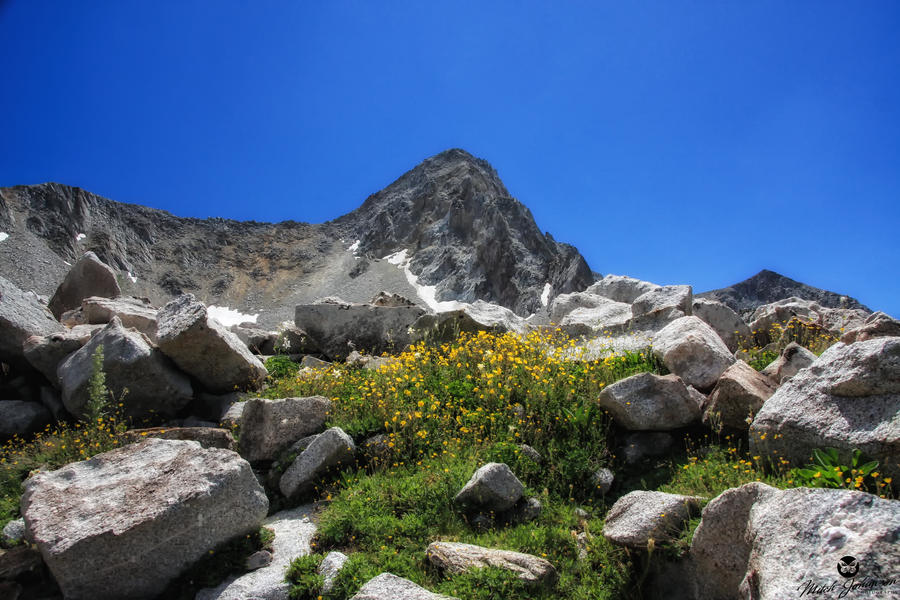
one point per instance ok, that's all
(679, 142)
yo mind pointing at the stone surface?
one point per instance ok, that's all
(832, 320)
(456, 558)
(724, 321)
(18, 561)
(234, 415)
(878, 324)
(137, 313)
(164, 505)
(258, 560)
(564, 304)
(603, 480)
(294, 531)
(365, 361)
(760, 542)
(492, 488)
(621, 288)
(329, 569)
(468, 318)
(87, 277)
(268, 427)
(388, 586)
(204, 349)
(13, 533)
(662, 304)
(207, 437)
(693, 351)
(293, 340)
(129, 361)
(793, 358)
(651, 402)
(738, 396)
(257, 340)
(646, 444)
(332, 448)
(640, 516)
(848, 399)
(311, 362)
(605, 318)
(20, 418)
(45, 353)
(21, 316)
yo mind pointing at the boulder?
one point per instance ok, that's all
(45, 353)
(330, 449)
(738, 395)
(848, 399)
(207, 437)
(760, 542)
(258, 341)
(204, 349)
(606, 318)
(646, 444)
(641, 516)
(661, 305)
(876, 325)
(724, 321)
(651, 402)
(693, 351)
(87, 277)
(137, 313)
(329, 568)
(21, 316)
(13, 533)
(338, 327)
(564, 304)
(129, 361)
(20, 418)
(493, 488)
(793, 358)
(165, 504)
(388, 586)
(470, 318)
(455, 558)
(602, 481)
(294, 532)
(621, 288)
(270, 426)
(234, 415)
(833, 320)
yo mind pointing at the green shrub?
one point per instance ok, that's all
(280, 366)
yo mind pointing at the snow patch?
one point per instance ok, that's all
(354, 247)
(3, 235)
(80, 237)
(426, 293)
(132, 277)
(229, 316)
(545, 295)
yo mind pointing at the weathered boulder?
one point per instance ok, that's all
(258, 341)
(470, 318)
(270, 426)
(129, 361)
(607, 317)
(164, 505)
(759, 542)
(388, 586)
(661, 305)
(338, 327)
(724, 321)
(738, 395)
(21, 316)
(793, 358)
(566, 303)
(234, 415)
(44, 353)
(621, 288)
(693, 351)
(330, 449)
(832, 320)
(848, 399)
(20, 418)
(138, 313)
(204, 349)
(492, 488)
(329, 568)
(456, 558)
(878, 324)
(651, 402)
(207, 437)
(87, 277)
(641, 516)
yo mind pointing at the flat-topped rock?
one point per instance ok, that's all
(651, 402)
(640, 516)
(270, 426)
(693, 351)
(388, 586)
(455, 558)
(87, 277)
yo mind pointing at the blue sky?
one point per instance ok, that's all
(679, 142)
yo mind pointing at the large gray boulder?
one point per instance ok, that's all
(129, 361)
(724, 321)
(878, 324)
(661, 305)
(648, 402)
(793, 358)
(455, 558)
(607, 317)
(339, 327)
(204, 349)
(126, 522)
(21, 316)
(760, 542)
(492, 488)
(641, 516)
(20, 418)
(693, 351)
(137, 313)
(258, 341)
(469, 318)
(848, 399)
(332, 448)
(329, 569)
(388, 586)
(44, 353)
(566, 303)
(738, 395)
(87, 277)
(621, 288)
(270, 426)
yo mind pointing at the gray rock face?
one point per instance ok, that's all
(603, 480)
(739, 394)
(793, 358)
(456, 558)
(563, 304)
(21, 418)
(724, 321)
(87, 277)
(204, 349)
(13, 533)
(640, 516)
(833, 320)
(292, 340)
(129, 361)
(21, 316)
(339, 327)
(470, 318)
(329, 569)
(270, 426)
(876, 325)
(621, 288)
(662, 304)
(388, 586)
(44, 353)
(138, 313)
(849, 398)
(258, 341)
(493, 488)
(330, 449)
(693, 351)
(294, 531)
(207, 437)
(760, 542)
(651, 402)
(607, 317)
(165, 504)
